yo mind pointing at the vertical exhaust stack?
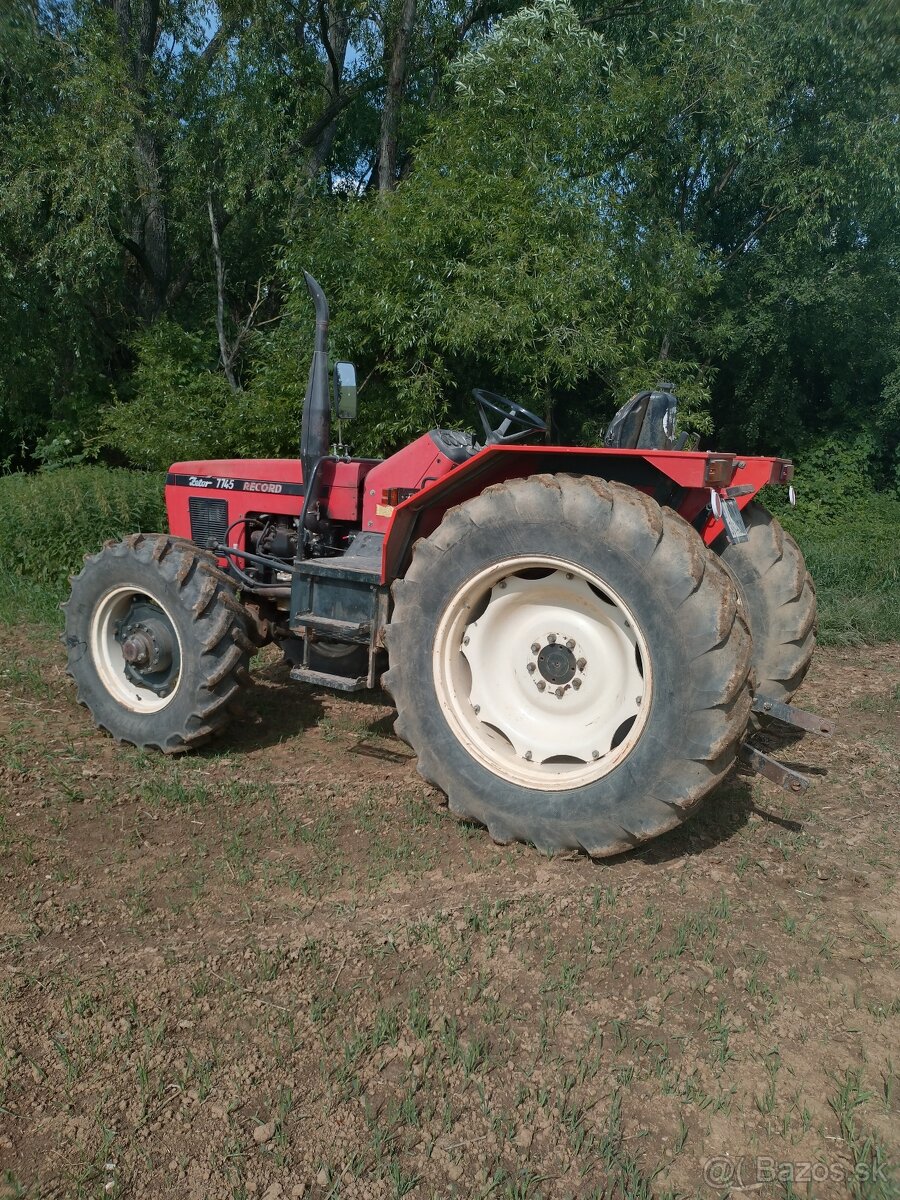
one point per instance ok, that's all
(315, 429)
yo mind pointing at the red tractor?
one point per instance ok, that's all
(575, 638)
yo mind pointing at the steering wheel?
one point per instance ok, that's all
(512, 414)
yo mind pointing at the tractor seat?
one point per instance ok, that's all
(646, 422)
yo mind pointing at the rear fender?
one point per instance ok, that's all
(677, 478)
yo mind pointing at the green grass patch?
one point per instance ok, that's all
(854, 559)
(23, 601)
(50, 520)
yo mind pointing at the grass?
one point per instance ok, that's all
(855, 563)
(22, 601)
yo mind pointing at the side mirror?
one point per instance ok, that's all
(345, 390)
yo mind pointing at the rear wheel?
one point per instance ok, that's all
(569, 663)
(780, 601)
(157, 642)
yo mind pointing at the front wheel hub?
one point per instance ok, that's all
(136, 649)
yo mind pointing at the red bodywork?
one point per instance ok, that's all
(406, 495)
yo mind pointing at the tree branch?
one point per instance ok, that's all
(324, 33)
(776, 212)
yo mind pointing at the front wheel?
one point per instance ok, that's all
(569, 663)
(157, 642)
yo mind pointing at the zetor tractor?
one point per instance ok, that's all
(576, 639)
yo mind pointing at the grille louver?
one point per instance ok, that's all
(209, 520)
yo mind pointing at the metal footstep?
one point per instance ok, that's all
(771, 768)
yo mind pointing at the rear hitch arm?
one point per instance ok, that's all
(789, 715)
(763, 764)
(770, 768)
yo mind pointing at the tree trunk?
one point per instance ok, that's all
(138, 25)
(151, 226)
(225, 353)
(393, 98)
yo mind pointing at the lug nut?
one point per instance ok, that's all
(528, 756)
(535, 647)
(576, 684)
(541, 685)
(570, 644)
(581, 664)
(560, 691)
(532, 667)
(551, 638)
(595, 754)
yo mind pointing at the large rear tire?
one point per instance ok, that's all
(780, 600)
(158, 643)
(569, 663)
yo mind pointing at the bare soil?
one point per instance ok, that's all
(279, 968)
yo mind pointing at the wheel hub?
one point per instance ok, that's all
(556, 662)
(148, 646)
(136, 649)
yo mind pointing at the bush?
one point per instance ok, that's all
(50, 520)
(848, 533)
(181, 406)
(853, 556)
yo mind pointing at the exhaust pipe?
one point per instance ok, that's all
(315, 428)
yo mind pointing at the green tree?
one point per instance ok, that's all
(561, 201)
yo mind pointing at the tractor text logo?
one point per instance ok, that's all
(253, 485)
(199, 481)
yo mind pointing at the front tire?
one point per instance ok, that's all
(158, 643)
(634, 629)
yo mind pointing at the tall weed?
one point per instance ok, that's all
(50, 520)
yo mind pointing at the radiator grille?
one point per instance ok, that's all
(209, 520)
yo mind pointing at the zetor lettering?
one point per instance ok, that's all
(576, 639)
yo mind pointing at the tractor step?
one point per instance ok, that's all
(789, 715)
(771, 768)
(329, 627)
(340, 683)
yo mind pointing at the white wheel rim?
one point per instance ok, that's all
(534, 621)
(109, 659)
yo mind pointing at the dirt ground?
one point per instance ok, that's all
(279, 968)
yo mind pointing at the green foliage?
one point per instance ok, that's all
(183, 408)
(49, 520)
(833, 476)
(849, 536)
(580, 198)
(854, 559)
(512, 256)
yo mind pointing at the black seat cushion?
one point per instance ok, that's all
(646, 422)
